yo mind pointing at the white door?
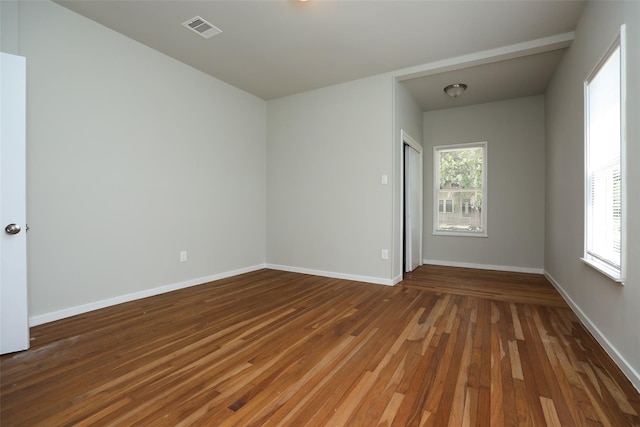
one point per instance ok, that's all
(14, 320)
(412, 207)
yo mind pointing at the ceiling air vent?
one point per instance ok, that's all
(202, 27)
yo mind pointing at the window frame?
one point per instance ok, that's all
(589, 257)
(436, 188)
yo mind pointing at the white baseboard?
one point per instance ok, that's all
(80, 309)
(485, 266)
(626, 368)
(333, 275)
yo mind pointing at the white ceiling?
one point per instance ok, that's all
(277, 48)
(524, 76)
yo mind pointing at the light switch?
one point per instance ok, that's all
(384, 180)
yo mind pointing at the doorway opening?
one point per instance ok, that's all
(411, 203)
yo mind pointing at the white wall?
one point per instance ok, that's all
(9, 40)
(611, 311)
(131, 158)
(327, 211)
(407, 117)
(514, 131)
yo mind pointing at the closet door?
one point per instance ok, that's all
(413, 208)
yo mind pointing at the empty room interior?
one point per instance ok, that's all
(319, 212)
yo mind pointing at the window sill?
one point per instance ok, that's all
(612, 274)
(460, 234)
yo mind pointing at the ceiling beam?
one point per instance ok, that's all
(545, 44)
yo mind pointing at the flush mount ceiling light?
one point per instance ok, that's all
(455, 90)
(202, 27)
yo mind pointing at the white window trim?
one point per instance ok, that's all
(436, 189)
(616, 275)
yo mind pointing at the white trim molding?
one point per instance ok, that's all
(508, 268)
(405, 138)
(333, 275)
(632, 375)
(96, 305)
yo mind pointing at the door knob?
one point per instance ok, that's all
(12, 229)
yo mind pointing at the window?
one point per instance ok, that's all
(604, 155)
(460, 191)
(445, 206)
(466, 207)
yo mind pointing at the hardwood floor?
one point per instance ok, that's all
(446, 347)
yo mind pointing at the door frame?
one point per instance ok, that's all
(406, 139)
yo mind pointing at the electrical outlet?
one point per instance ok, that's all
(384, 254)
(183, 256)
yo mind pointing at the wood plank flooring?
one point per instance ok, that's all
(446, 347)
